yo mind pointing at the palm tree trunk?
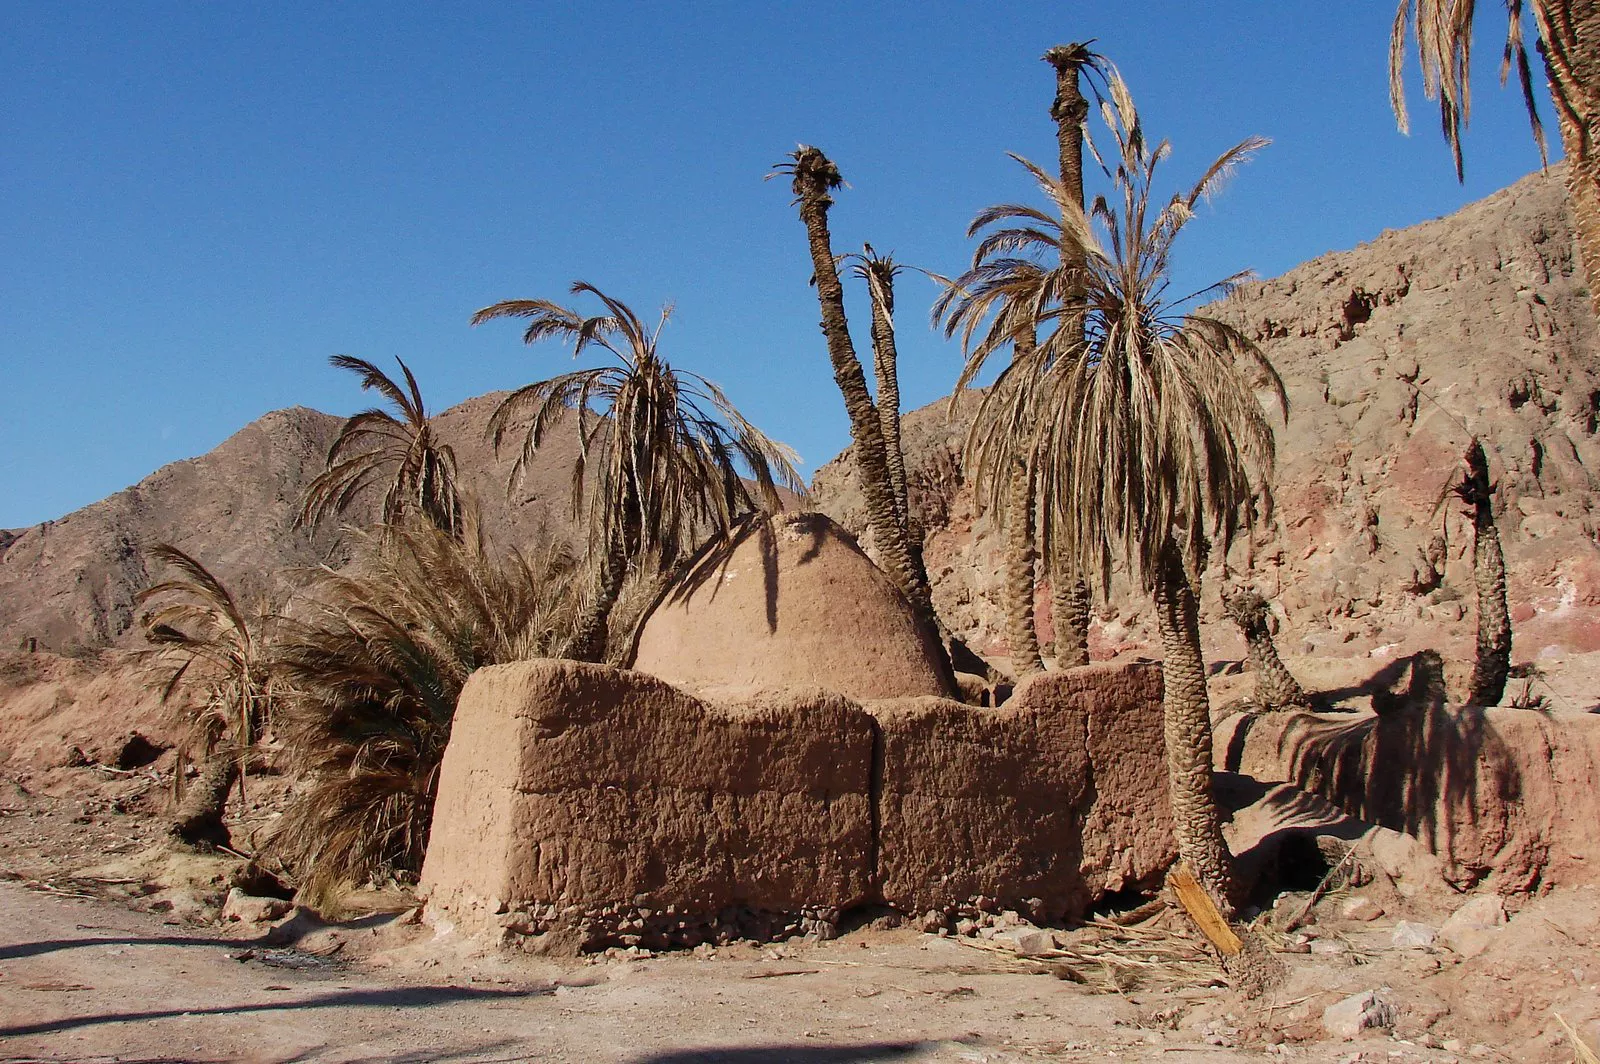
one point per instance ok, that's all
(1570, 30)
(198, 819)
(1196, 821)
(814, 175)
(885, 363)
(1276, 687)
(1021, 636)
(1069, 594)
(1493, 661)
(594, 626)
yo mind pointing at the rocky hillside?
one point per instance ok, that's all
(1392, 354)
(69, 584)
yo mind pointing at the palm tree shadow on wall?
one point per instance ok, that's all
(709, 564)
(1415, 765)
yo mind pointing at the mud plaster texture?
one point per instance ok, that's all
(1505, 797)
(608, 807)
(790, 603)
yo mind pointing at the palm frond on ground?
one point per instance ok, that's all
(368, 672)
(398, 452)
(664, 457)
(209, 661)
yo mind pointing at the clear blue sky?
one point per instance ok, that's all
(200, 202)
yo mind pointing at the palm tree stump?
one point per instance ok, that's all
(1276, 687)
(1492, 664)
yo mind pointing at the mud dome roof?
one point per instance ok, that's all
(790, 602)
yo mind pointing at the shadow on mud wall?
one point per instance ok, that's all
(1415, 765)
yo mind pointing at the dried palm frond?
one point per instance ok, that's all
(369, 670)
(375, 445)
(1443, 31)
(208, 645)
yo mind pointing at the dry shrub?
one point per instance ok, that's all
(370, 665)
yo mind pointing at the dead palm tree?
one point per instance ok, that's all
(814, 179)
(375, 445)
(206, 647)
(368, 673)
(1492, 663)
(879, 272)
(1146, 439)
(660, 451)
(1569, 42)
(1276, 687)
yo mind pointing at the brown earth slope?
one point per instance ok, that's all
(1392, 354)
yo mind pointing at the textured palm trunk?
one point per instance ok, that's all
(1021, 636)
(1276, 687)
(811, 184)
(1069, 594)
(1070, 610)
(1196, 820)
(885, 363)
(1570, 30)
(1493, 662)
(594, 626)
(198, 819)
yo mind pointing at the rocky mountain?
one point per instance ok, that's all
(70, 584)
(1392, 354)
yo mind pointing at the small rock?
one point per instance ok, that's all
(248, 909)
(1409, 935)
(1027, 941)
(1358, 1012)
(934, 921)
(1471, 928)
(1362, 909)
(966, 928)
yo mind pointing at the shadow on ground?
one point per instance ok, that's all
(786, 1054)
(390, 998)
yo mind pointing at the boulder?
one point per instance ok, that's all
(790, 602)
(1471, 928)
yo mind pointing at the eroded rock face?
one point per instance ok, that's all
(791, 602)
(1502, 796)
(608, 806)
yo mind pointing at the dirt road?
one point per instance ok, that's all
(88, 981)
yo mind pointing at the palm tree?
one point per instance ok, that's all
(1073, 64)
(1146, 439)
(1010, 293)
(879, 272)
(1492, 664)
(369, 671)
(660, 451)
(375, 444)
(1276, 687)
(1568, 40)
(205, 644)
(814, 179)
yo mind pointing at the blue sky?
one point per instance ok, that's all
(199, 203)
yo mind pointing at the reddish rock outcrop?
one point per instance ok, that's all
(1506, 797)
(606, 805)
(790, 602)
